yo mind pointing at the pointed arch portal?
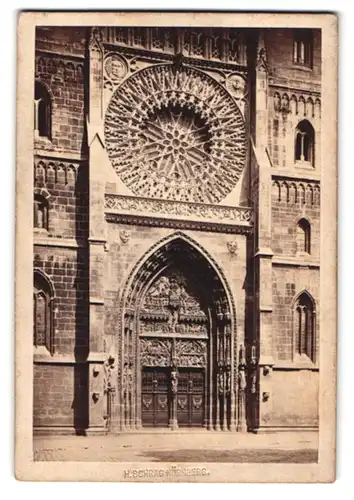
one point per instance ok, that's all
(178, 345)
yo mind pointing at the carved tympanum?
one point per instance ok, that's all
(172, 306)
(175, 133)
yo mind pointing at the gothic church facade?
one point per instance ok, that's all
(176, 229)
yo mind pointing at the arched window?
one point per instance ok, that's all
(303, 47)
(303, 236)
(305, 142)
(305, 326)
(42, 111)
(40, 212)
(43, 312)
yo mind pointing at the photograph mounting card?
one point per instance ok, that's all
(176, 182)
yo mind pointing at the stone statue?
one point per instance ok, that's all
(175, 303)
(242, 380)
(174, 381)
(108, 367)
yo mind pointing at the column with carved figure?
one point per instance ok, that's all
(131, 398)
(173, 422)
(229, 379)
(126, 374)
(219, 364)
(219, 393)
(226, 371)
(124, 396)
(210, 402)
(242, 385)
(224, 382)
(121, 376)
(217, 369)
(253, 377)
(109, 389)
(132, 375)
(138, 384)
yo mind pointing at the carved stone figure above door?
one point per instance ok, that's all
(173, 305)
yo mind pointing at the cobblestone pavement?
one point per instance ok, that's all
(180, 447)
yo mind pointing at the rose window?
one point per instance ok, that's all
(175, 134)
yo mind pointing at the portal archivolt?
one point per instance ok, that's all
(178, 349)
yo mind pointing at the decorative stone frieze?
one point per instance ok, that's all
(159, 353)
(59, 69)
(191, 353)
(300, 191)
(297, 104)
(155, 352)
(219, 45)
(171, 213)
(55, 171)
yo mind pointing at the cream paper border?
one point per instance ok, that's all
(25, 467)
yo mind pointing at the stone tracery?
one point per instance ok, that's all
(176, 134)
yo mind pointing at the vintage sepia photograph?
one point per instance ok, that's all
(176, 187)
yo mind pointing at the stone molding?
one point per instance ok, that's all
(60, 155)
(177, 213)
(97, 301)
(188, 352)
(304, 175)
(58, 53)
(61, 358)
(47, 241)
(44, 358)
(290, 85)
(295, 262)
(166, 335)
(292, 365)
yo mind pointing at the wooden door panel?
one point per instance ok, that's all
(154, 398)
(190, 398)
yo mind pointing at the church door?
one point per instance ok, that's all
(155, 397)
(178, 368)
(190, 398)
